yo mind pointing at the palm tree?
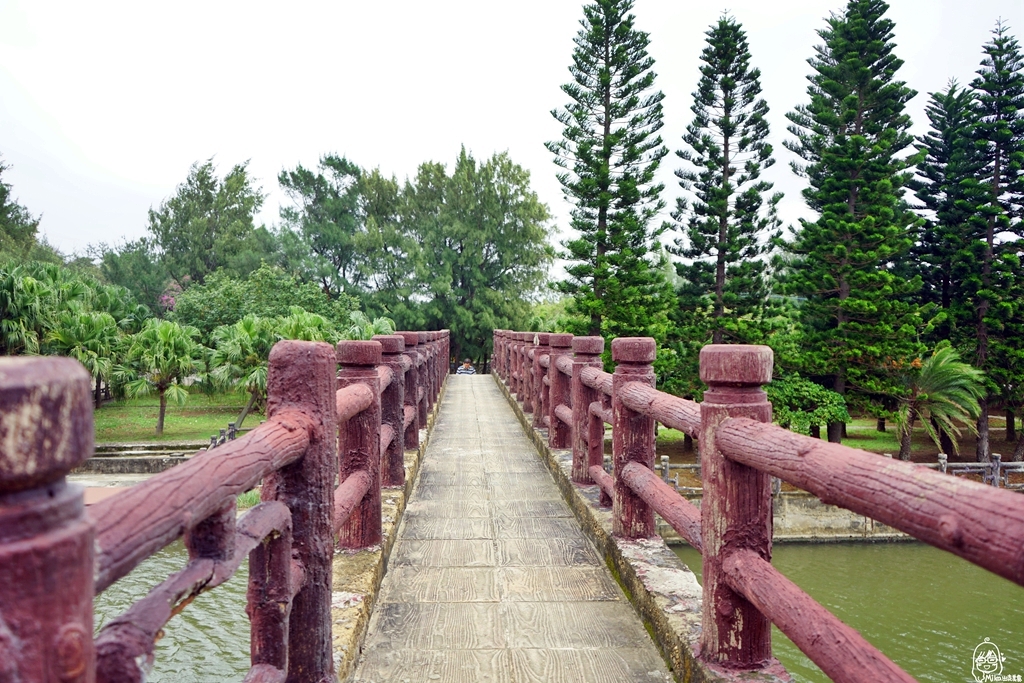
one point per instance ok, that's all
(240, 358)
(305, 326)
(942, 391)
(89, 338)
(159, 358)
(364, 328)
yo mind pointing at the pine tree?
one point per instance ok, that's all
(1000, 133)
(951, 192)
(856, 318)
(610, 151)
(729, 225)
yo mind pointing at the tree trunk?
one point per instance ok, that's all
(815, 431)
(687, 443)
(160, 418)
(99, 384)
(880, 424)
(945, 442)
(906, 436)
(835, 432)
(246, 409)
(836, 429)
(982, 450)
(1011, 426)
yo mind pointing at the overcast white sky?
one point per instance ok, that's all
(105, 104)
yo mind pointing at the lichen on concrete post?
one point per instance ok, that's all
(392, 408)
(632, 436)
(46, 541)
(301, 376)
(588, 430)
(559, 391)
(736, 510)
(541, 396)
(359, 443)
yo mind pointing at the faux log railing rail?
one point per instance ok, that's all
(55, 556)
(740, 452)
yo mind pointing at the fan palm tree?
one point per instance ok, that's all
(943, 392)
(89, 338)
(240, 358)
(305, 326)
(364, 328)
(159, 358)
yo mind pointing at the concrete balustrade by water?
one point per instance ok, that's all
(740, 452)
(55, 556)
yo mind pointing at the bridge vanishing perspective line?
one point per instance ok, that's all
(491, 578)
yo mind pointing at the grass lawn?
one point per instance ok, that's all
(134, 421)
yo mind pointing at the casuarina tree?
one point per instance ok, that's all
(857, 319)
(610, 150)
(731, 221)
(999, 298)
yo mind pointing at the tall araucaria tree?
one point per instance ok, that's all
(857, 319)
(730, 223)
(999, 303)
(610, 151)
(949, 187)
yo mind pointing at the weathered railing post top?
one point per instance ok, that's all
(736, 365)
(543, 338)
(46, 427)
(588, 346)
(411, 338)
(359, 353)
(560, 341)
(423, 337)
(390, 344)
(634, 349)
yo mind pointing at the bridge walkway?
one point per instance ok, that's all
(491, 578)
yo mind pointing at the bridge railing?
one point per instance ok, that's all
(55, 555)
(740, 451)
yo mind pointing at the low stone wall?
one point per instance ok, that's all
(664, 592)
(357, 575)
(800, 517)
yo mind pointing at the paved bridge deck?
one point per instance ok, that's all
(491, 578)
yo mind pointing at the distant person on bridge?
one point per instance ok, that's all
(466, 368)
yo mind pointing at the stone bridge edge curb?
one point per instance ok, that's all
(663, 591)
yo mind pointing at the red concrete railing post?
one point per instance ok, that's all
(588, 430)
(423, 379)
(497, 354)
(411, 390)
(540, 391)
(736, 511)
(632, 435)
(447, 342)
(522, 385)
(46, 541)
(301, 376)
(530, 343)
(392, 409)
(559, 391)
(359, 443)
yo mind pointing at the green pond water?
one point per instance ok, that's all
(925, 609)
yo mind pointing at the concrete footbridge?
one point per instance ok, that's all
(492, 577)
